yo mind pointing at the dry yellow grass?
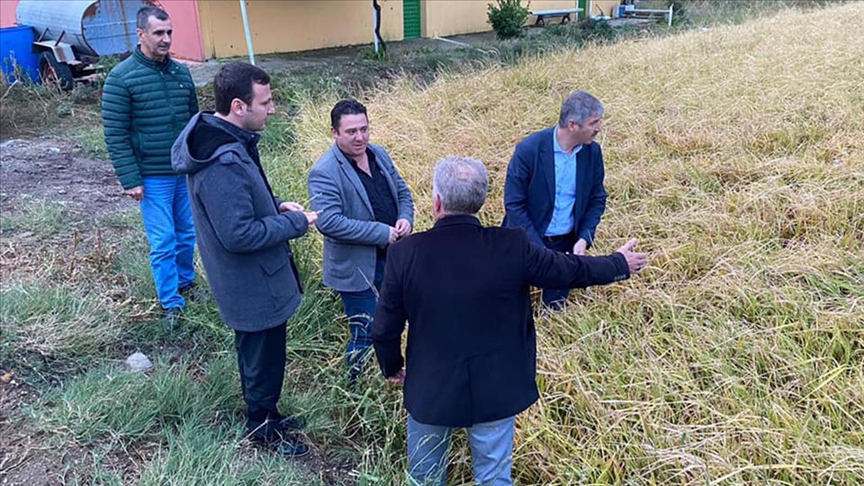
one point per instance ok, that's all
(736, 156)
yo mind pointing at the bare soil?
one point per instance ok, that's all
(52, 170)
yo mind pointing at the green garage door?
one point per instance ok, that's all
(411, 18)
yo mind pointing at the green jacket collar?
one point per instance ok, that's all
(146, 61)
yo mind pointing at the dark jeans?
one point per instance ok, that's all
(360, 310)
(556, 298)
(261, 360)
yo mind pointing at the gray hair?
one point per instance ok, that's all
(578, 107)
(461, 183)
(142, 18)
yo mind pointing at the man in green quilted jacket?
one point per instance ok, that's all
(146, 101)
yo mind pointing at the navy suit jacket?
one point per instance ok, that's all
(464, 289)
(529, 190)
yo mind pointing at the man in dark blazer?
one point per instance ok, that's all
(471, 354)
(554, 185)
(243, 233)
(364, 206)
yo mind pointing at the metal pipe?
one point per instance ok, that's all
(376, 21)
(248, 32)
(375, 26)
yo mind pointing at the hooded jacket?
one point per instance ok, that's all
(242, 236)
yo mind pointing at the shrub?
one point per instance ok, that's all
(578, 33)
(508, 18)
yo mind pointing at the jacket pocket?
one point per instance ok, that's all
(273, 265)
(341, 259)
(279, 280)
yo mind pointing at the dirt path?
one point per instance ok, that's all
(52, 170)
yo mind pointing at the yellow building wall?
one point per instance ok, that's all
(442, 18)
(296, 25)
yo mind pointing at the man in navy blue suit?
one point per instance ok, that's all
(554, 186)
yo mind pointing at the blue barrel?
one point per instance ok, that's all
(16, 48)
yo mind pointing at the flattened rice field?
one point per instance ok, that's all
(736, 156)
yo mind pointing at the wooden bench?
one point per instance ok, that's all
(648, 13)
(564, 13)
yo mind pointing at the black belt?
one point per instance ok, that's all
(554, 238)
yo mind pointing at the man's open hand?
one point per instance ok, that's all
(636, 261)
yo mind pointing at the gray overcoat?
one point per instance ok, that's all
(242, 236)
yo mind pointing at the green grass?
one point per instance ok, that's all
(191, 409)
(91, 140)
(57, 320)
(109, 405)
(197, 454)
(40, 218)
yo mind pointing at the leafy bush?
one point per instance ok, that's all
(508, 18)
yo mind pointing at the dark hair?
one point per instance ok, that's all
(142, 18)
(345, 107)
(235, 80)
(578, 107)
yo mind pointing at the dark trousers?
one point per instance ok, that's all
(360, 310)
(261, 360)
(556, 298)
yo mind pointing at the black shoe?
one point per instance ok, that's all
(193, 293)
(171, 319)
(292, 423)
(290, 446)
(287, 445)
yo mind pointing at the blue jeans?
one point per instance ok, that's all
(555, 299)
(171, 233)
(491, 452)
(360, 310)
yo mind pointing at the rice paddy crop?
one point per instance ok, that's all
(736, 156)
